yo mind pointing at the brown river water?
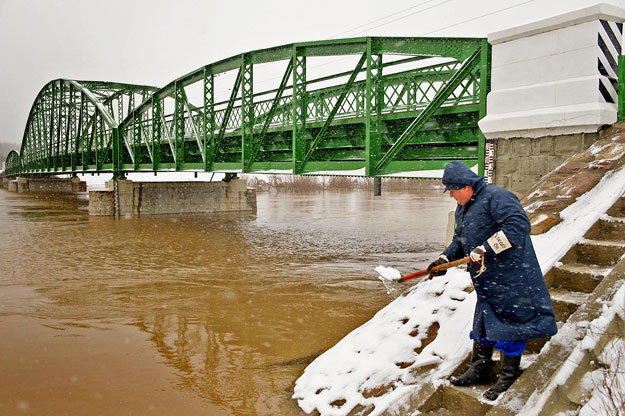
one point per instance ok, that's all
(196, 314)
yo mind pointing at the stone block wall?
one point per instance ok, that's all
(522, 162)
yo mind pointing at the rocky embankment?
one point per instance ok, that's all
(573, 178)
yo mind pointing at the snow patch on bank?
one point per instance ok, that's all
(376, 363)
(382, 363)
(577, 218)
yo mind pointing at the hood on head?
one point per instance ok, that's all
(457, 175)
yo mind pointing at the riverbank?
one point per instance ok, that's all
(399, 362)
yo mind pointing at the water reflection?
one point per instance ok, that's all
(232, 305)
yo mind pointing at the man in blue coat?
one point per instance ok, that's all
(513, 303)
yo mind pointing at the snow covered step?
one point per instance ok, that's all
(576, 277)
(595, 252)
(607, 228)
(566, 302)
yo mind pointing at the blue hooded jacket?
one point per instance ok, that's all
(513, 302)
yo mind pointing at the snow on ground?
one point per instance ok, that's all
(577, 218)
(380, 364)
(369, 361)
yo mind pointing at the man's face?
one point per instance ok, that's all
(462, 196)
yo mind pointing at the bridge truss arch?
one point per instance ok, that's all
(13, 164)
(370, 106)
(71, 125)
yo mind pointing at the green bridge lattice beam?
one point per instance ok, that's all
(409, 104)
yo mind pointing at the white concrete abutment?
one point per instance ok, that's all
(553, 88)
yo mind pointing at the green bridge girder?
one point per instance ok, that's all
(407, 104)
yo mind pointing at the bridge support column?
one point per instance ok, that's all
(47, 185)
(12, 186)
(377, 186)
(154, 198)
(22, 185)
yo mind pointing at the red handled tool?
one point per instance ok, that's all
(438, 268)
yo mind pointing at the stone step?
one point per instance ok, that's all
(607, 229)
(566, 302)
(618, 209)
(457, 401)
(576, 277)
(535, 345)
(439, 412)
(595, 252)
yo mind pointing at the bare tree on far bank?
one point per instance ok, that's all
(298, 183)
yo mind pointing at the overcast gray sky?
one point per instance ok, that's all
(155, 41)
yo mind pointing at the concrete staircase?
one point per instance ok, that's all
(574, 285)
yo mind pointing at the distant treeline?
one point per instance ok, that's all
(296, 183)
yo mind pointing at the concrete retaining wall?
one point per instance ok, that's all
(154, 198)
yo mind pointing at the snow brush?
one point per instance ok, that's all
(394, 276)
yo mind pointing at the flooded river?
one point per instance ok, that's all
(192, 315)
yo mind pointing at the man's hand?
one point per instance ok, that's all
(477, 256)
(442, 259)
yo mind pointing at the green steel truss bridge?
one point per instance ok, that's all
(372, 106)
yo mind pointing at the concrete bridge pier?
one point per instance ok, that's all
(377, 186)
(126, 198)
(47, 185)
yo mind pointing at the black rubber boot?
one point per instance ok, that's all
(479, 370)
(510, 370)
